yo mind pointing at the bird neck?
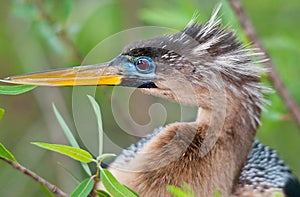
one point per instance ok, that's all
(198, 153)
(207, 154)
(227, 137)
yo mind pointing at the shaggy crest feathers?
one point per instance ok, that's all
(217, 58)
(228, 55)
(219, 52)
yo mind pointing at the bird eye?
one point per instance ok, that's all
(144, 64)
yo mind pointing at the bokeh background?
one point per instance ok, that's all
(39, 35)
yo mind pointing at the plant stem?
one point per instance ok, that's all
(96, 179)
(52, 188)
(273, 74)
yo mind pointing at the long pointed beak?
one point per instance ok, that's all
(119, 71)
(98, 74)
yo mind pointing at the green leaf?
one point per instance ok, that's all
(4, 153)
(176, 191)
(185, 191)
(2, 111)
(65, 128)
(112, 185)
(14, 90)
(217, 193)
(105, 156)
(68, 133)
(99, 122)
(84, 188)
(131, 190)
(102, 193)
(75, 153)
(277, 194)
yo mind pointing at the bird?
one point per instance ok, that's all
(205, 66)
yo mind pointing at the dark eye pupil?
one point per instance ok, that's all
(142, 64)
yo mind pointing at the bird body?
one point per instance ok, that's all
(221, 78)
(202, 66)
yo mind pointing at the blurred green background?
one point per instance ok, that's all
(39, 35)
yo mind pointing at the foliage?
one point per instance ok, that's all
(85, 187)
(217, 194)
(99, 121)
(14, 90)
(68, 133)
(186, 191)
(75, 153)
(113, 186)
(2, 111)
(4, 153)
(278, 194)
(102, 193)
(30, 43)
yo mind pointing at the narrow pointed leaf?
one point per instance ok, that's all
(4, 153)
(68, 133)
(84, 188)
(132, 191)
(75, 153)
(115, 188)
(278, 194)
(2, 111)
(97, 111)
(176, 191)
(217, 193)
(102, 193)
(179, 192)
(105, 156)
(65, 128)
(17, 89)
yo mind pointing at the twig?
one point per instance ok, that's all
(62, 34)
(54, 189)
(273, 74)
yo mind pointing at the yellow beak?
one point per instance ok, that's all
(98, 74)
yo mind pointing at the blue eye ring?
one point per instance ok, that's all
(144, 64)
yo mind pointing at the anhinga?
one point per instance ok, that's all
(203, 66)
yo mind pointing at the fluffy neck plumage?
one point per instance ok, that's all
(207, 154)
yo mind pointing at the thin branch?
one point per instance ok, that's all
(62, 34)
(54, 189)
(273, 74)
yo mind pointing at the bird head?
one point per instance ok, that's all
(183, 67)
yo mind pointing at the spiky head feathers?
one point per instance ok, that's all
(203, 48)
(208, 56)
